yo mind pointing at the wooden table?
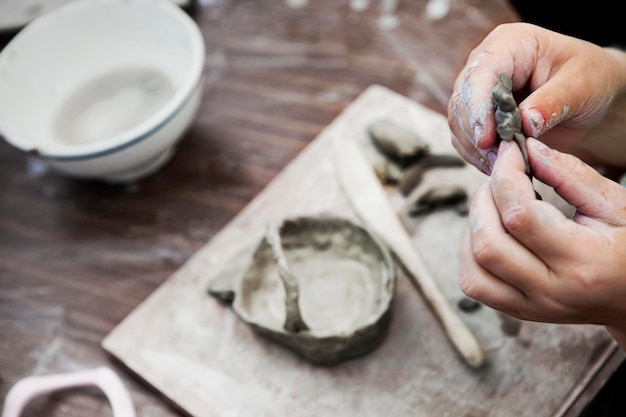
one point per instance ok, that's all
(77, 257)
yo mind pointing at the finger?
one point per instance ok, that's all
(560, 95)
(511, 170)
(472, 105)
(471, 119)
(481, 285)
(463, 135)
(579, 184)
(458, 117)
(496, 251)
(480, 158)
(537, 225)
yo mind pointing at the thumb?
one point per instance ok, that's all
(579, 184)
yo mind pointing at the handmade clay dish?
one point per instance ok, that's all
(321, 286)
(102, 89)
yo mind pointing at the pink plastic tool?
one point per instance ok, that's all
(102, 377)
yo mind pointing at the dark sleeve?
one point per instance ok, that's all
(598, 21)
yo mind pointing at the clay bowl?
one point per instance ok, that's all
(321, 286)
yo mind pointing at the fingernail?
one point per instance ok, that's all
(481, 162)
(540, 147)
(486, 169)
(537, 122)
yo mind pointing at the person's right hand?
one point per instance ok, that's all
(525, 258)
(564, 87)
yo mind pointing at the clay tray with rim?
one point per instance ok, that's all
(201, 356)
(321, 286)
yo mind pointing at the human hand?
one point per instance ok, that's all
(564, 86)
(524, 257)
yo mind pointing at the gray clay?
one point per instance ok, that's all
(412, 175)
(407, 155)
(293, 320)
(387, 171)
(510, 326)
(318, 285)
(397, 142)
(468, 305)
(438, 197)
(508, 118)
(223, 284)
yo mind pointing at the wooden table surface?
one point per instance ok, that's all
(77, 257)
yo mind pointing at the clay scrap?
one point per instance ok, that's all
(412, 176)
(321, 286)
(397, 142)
(436, 198)
(407, 157)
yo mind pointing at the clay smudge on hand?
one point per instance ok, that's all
(477, 124)
(471, 153)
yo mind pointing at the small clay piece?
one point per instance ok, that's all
(222, 289)
(396, 142)
(293, 320)
(388, 172)
(412, 175)
(508, 118)
(468, 305)
(510, 326)
(462, 208)
(222, 285)
(321, 286)
(440, 197)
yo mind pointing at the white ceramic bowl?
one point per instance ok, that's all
(102, 89)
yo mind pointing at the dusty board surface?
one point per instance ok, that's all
(198, 354)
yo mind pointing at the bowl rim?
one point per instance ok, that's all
(388, 277)
(137, 134)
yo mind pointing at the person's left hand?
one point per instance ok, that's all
(571, 95)
(522, 256)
